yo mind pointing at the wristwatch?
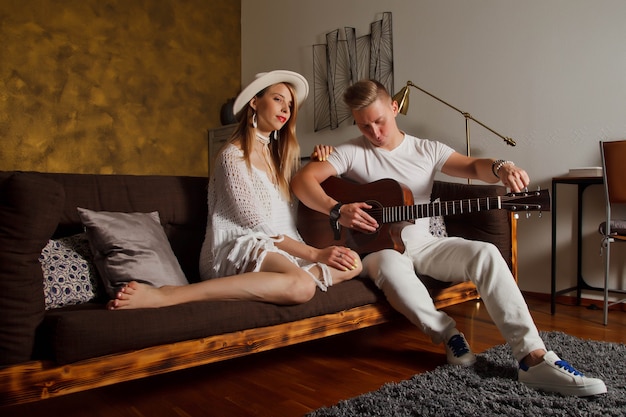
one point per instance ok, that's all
(335, 213)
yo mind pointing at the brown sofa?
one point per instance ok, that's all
(46, 353)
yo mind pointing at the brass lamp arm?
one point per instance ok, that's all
(403, 96)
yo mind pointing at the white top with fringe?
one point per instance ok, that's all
(247, 214)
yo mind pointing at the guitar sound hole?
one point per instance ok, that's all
(376, 212)
(363, 239)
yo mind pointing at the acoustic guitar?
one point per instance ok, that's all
(393, 208)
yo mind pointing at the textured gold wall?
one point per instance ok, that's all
(115, 86)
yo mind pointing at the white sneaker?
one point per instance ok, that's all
(458, 351)
(556, 375)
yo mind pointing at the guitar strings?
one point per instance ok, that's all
(434, 209)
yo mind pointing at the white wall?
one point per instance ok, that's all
(550, 74)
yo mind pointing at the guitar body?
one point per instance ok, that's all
(314, 227)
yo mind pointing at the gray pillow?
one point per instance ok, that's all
(130, 247)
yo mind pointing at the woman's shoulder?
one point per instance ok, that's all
(232, 148)
(230, 151)
(229, 157)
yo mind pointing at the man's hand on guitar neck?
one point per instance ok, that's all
(354, 216)
(512, 176)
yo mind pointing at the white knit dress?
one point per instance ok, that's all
(247, 215)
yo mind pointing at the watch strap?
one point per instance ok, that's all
(335, 213)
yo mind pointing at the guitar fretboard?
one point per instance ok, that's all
(446, 208)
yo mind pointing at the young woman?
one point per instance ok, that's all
(252, 249)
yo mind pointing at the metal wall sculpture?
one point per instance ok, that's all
(341, 62)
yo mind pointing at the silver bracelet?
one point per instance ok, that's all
(496, 165)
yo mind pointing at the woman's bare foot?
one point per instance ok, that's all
(138, 295)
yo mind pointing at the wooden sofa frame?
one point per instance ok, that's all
(37, 380)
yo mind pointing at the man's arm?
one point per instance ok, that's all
(306, 186)
(487, 170)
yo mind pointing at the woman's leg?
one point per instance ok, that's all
(279, 281)
(339, 276)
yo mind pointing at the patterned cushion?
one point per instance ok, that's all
(69, 276)
(437, 226)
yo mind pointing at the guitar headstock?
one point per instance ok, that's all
(527, 201)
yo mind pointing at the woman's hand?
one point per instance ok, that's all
(321, 152)
(339, 257)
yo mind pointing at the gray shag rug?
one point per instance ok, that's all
(490, 387)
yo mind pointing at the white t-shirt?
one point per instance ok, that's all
(413, 163)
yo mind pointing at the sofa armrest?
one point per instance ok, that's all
(30, 208)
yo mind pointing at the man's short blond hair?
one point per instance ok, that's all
(363, 93)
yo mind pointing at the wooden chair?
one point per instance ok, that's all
(612, 230)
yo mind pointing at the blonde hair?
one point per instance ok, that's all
(363, 93)
(285, 150)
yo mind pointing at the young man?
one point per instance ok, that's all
(383, 151)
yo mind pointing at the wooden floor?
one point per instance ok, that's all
(295, 380)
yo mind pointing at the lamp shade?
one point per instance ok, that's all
(402, 97)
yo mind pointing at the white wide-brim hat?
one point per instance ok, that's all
(265, 79)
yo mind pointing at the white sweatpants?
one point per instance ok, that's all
(453, 259)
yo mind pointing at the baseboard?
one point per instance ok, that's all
(591, 303)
